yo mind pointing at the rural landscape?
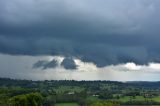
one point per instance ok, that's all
(78, 93)
(79, 52)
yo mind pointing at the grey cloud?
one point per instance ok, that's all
(69, 63)
(22, 69)
(39, 64)
(45, 64)
(51, 64)
(102, 32)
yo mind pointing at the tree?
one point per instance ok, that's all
(32, 99)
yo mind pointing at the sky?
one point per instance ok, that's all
(80, 39)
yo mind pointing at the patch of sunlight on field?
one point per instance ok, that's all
(156, 99)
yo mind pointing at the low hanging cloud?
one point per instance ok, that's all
(45, 64)
(69, 63)
(40, 64)
(102, 32)
(23, 69)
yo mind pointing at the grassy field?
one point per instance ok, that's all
(157, 99)
(66, 104)
(137, 98)
(126, 99)
(92, 98)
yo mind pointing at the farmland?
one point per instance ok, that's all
(78, 93)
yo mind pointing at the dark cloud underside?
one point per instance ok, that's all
(68, 63)
(103, 32)
(45, 64)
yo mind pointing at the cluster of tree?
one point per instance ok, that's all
(32, 99)
(133, 93)
(105, 95)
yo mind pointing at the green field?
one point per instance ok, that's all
(137, 98)
(126, 99)
(66, 104)
(92, 98)
(157, 99)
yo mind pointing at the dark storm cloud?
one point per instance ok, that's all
(68, 63)
(103, 32)
(45, 64)
(39, 64)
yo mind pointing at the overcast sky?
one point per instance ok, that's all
(80, 39)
